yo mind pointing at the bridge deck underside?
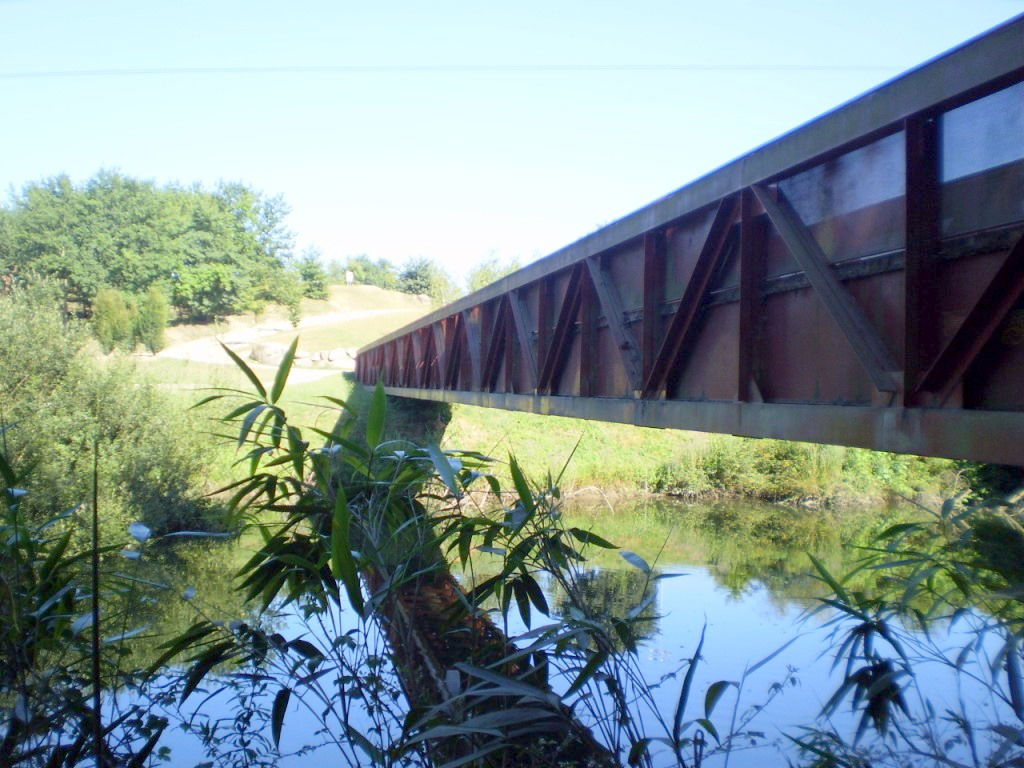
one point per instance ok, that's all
(868, 294)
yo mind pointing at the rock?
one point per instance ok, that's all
(268, 352)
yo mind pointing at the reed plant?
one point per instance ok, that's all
(358, 533)
(954, 575)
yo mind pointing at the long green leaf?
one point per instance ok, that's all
(207, 661)
(635, 560)
(522, 486)
(770, 656)
(364, 744)
(465, 541)
(715, 691)
(244, 408)
(591, 538)
(522, 601)
(343, 564)
(638, 750)
(375, 417)
(249, 421)
(10, 479)
(829, 579)
(277, 713)
(588, 671)
(505, 685)
(444, 469)
(535, 592)
(246, 370)
(684, 693)
(283, 370)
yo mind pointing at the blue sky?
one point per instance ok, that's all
(486, 152)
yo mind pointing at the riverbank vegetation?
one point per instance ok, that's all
(65, 414)
(211, 252)
(357, 532)
(355, 523)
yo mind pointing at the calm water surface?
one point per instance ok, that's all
(742, 578)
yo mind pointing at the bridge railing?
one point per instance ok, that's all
(857, 281)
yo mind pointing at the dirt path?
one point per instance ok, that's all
(241, 339)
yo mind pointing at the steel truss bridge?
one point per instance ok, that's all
(857, 281)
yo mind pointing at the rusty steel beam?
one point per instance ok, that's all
(960, 434)
(559, 347)
(751, 273)
(859, 281)
(923, 239)
(653, 298)
(988, 313)
(680, 329)
(495, 345)
(611, 306)
(863, 337)
(525, 341)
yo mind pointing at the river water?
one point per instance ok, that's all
(740, 576)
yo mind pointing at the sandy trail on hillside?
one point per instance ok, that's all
(209, 350)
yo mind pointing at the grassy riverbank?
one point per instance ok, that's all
(613, 457)
(622, 459)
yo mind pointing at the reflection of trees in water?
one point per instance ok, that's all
(613, 593)
(763, 545)
(183, 582)
(744, 545)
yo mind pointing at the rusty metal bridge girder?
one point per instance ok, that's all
(858, 281)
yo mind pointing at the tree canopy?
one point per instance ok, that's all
(488, 271)
(212, 252)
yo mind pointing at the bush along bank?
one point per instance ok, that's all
(804, 473)
(623, 459)
(71, 421)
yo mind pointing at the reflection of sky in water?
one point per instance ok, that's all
(744, 629)
(302, 723)
(744, 624)
(741, 630)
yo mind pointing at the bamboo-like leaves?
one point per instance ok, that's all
(343, 563)
(635, 560)
(684, 692)
(586, 537)
(521, 485)
(444, 469)
(277, 713)
(285, 367)
(375, 417)
(249, 374)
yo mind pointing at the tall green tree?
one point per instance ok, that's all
(153, 315)
(488, 271)
(213, 252)
(426, 277)
(312, 275)
(113, 320)
(381, 272)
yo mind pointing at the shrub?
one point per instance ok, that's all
(153, 316)
(113, 319)
(313, 276)
(59, 404)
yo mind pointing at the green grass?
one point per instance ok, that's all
(341, 298)
(618, 457)
(611, 456)
(189, 382)
(354, 298)
(350, 334)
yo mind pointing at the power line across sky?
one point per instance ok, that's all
(449, 129)
(471, 68)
